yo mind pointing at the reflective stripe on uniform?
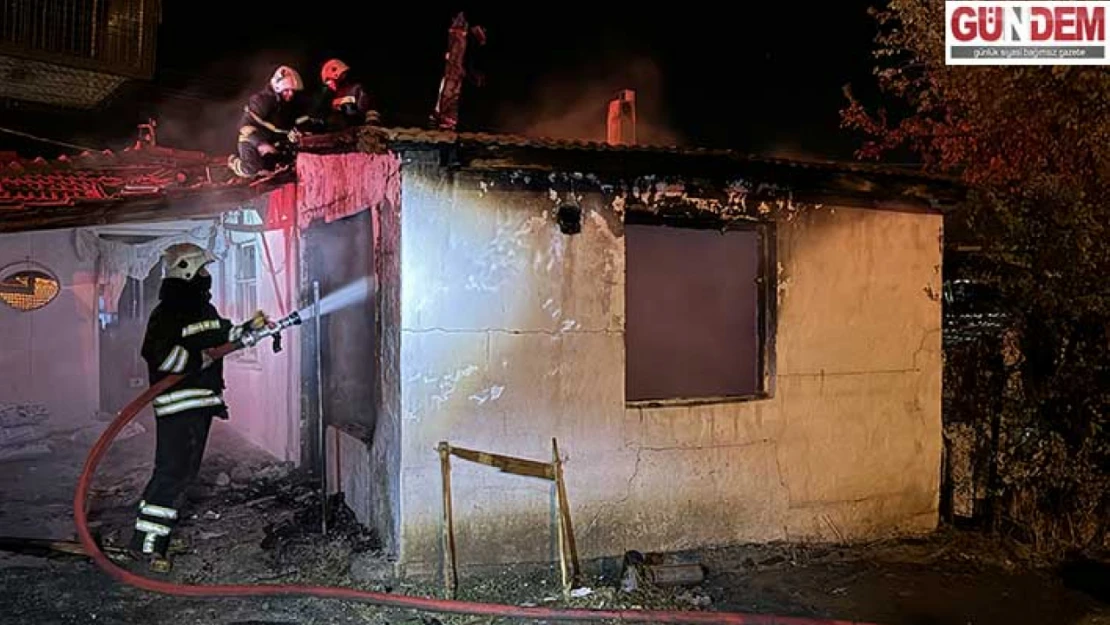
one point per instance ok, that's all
(150, 527)
(258, 120)
(188, 404)
(176, 360)
(176, 396)
(160, 512)
(152, 531)
(187, 399)
(200, 326)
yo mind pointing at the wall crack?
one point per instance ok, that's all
(627, 494)
(760, 441)
(921, 346)
(503, 331)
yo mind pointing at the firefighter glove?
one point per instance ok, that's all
(258, 321)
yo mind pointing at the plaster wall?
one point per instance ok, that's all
(49, 356)
(512, 334)
(263, 388)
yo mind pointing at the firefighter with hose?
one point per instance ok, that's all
(182, 326)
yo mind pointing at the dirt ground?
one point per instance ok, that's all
(254, 521)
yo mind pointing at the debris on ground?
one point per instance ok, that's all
(23, 431)
(249, 520)
(655, 569)
(26, 451)
(88, 434)
(18, 415)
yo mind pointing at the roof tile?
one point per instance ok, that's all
(144, 171)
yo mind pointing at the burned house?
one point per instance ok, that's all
(726, 348)
(80, 268)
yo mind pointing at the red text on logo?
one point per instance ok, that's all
(982, 23)
(1040, 24)
(1067, 24)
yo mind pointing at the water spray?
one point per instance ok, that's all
(321, 441)
(348, 295)
(354, 293)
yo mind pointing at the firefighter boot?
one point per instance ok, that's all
(161, 564)
(178, 545)
(235, 164)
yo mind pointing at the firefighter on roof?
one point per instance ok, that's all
(344, 102)
(270, 125)
(182, 326)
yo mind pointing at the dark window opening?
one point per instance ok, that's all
(337, 254)
(697, 313)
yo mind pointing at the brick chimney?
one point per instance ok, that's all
(622, 118)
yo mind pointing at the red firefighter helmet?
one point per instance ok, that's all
(333, 71)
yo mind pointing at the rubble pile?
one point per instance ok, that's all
(23, 432)
(89, 432)
(259, 522)
(531, 586)
(251, 523)
(26, 435)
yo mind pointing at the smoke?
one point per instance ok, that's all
(791, 151)
(574, 105)
(202, 111)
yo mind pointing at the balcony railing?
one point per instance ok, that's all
(111, 36)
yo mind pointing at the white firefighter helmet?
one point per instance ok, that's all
(185, 260)
(286, 78)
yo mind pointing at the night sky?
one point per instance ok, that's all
(757, 77)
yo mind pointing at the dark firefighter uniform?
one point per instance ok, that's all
(344, 102)
(268, 124)
(348, 105)
(182, 325)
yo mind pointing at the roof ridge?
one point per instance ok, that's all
(419, 135)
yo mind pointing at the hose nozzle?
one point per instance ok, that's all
(293, 319)
(273, 329)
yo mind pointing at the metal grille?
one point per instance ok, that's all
(55, 84)
(246, 291)
(246, 280)
(29, 289)
(109, 35)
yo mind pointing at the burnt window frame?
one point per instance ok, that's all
(767, 303)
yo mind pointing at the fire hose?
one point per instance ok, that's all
(122, 575)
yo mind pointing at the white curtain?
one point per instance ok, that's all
(119, 261)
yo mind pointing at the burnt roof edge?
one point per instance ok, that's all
(861, 185)
(194, 204)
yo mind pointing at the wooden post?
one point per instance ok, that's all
(561, 528)
(450, 572)
(568, 548)
(568, 551)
